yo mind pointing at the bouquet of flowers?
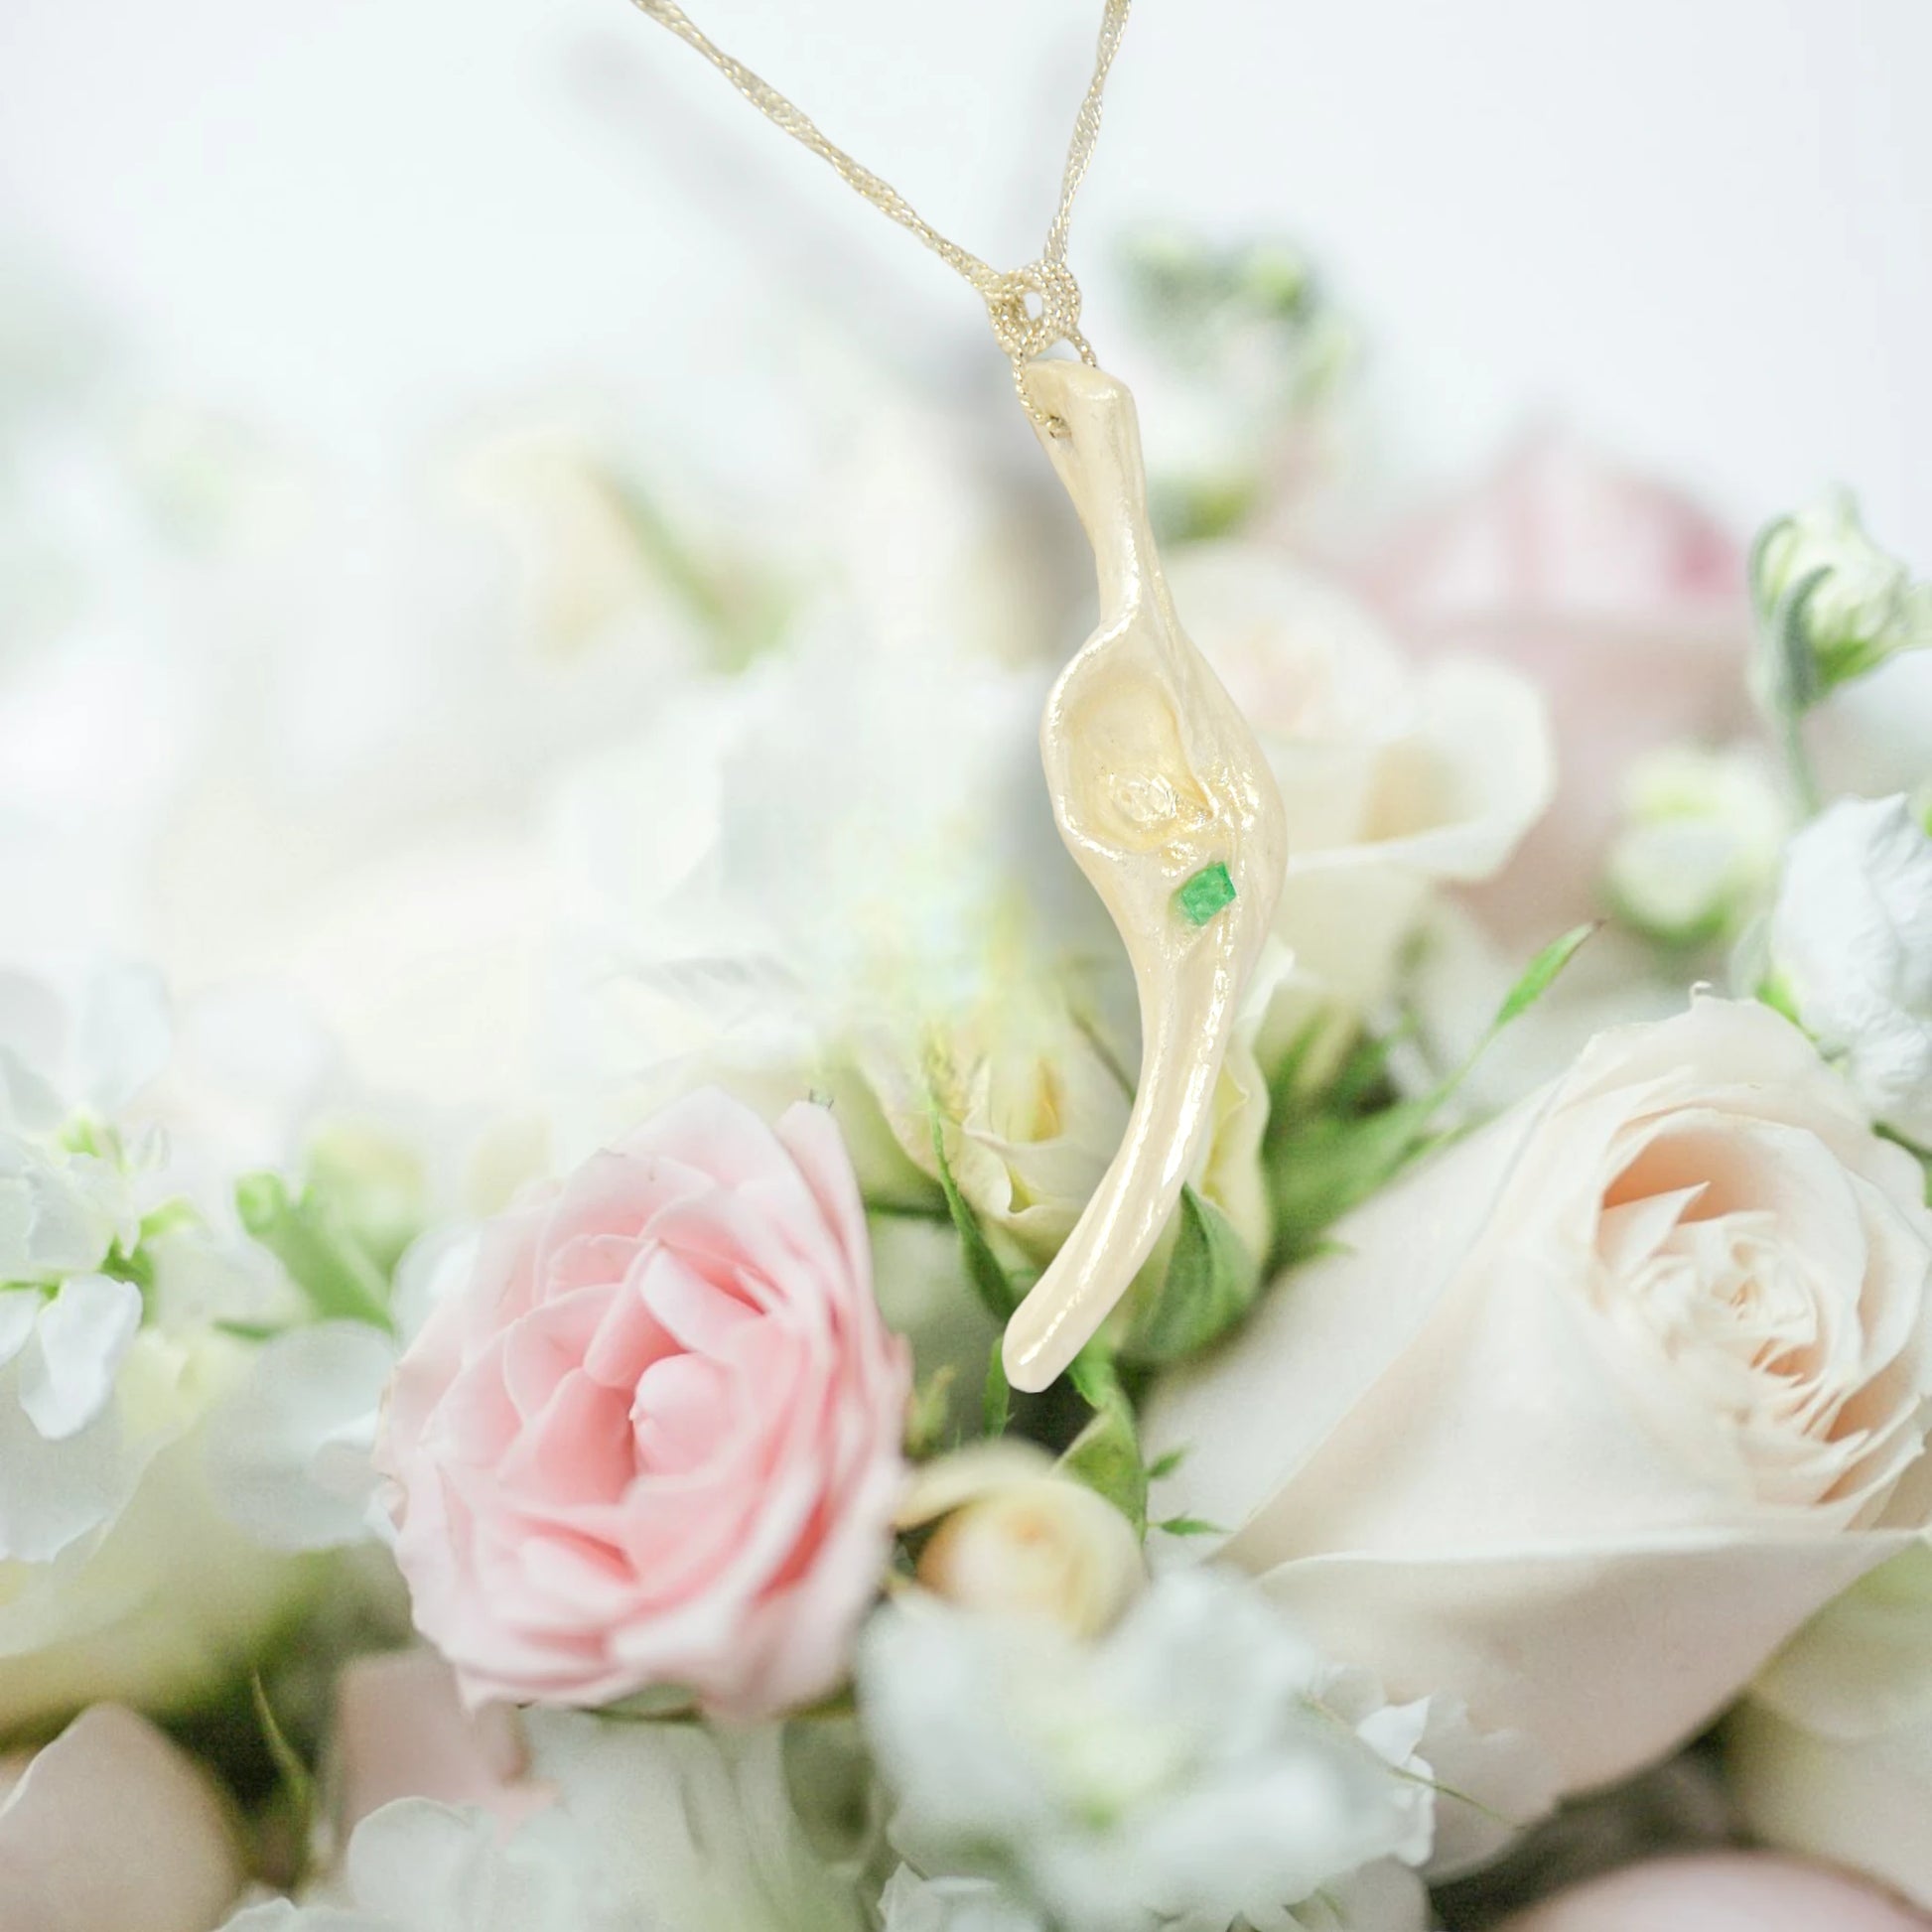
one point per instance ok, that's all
(501, 1415)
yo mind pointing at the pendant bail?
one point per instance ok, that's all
(1032, 309)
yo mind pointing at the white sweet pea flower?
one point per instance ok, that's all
(418, 1867)
(1851, 949)
(1699, 845)
(1838, 604)
(1187, 1769)
(910, 1903)
(70, 1348)
(654, 1824)
(118, 1577)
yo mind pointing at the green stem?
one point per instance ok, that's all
(1797, 761)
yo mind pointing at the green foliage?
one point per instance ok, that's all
(323, 1258)
(984, 1268)
(1328, 1150)
(1189, 1526)
(1210, 1282)
(925, 1415)
(1538, 977)
(997, 1402)
(1106, 1454)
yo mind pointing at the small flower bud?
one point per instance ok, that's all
(1831, 603)
(1697, 848)
(1040, 1546)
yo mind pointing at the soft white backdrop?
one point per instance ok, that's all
(1699, 227)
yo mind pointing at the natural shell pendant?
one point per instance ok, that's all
(1167, 805)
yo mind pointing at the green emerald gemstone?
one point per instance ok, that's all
(1206, 893)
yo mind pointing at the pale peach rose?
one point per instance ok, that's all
(1617, 596)
(653, 1436)
(1719, 1892)
(401, 1732)
(111, 1829)
(1583, 1418)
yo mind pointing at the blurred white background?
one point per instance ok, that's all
(1697, 228)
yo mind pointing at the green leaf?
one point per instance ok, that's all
(996, 1401)
(1539, 975)
(1334, 1165)
(990, 1279)
(925, 1417)
(1106, 1454)
(297, 1781)
(1162, 1466)
(1210, 1282)
(1190, 1526)
(324, 1260)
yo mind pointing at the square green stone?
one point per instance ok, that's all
(1206, 893)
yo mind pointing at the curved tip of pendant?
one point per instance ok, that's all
(1033, 1353)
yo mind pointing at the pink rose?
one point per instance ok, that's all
(401, 1732)
(1622, 599)
(1719, 1892)
(111, 1829)
(653, 1436)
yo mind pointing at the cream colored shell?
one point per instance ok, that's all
(1155, 777)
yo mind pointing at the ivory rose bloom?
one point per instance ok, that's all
(653, 1436)
(1621, 598)
(1589, 1414)
(1397, 781)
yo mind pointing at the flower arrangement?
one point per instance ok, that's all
(501, 1418)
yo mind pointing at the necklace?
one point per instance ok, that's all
(1159, 788)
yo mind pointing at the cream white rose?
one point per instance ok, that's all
(1397, 781)
(1588, 1415)
(1832, 1754)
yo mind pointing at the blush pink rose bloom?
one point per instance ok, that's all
(1719, 1891)
(654, 1438)
(1617, 596)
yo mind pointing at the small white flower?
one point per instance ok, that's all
(1185, 1768)
(1838, 604)
(1699, 846)
(1851, 948)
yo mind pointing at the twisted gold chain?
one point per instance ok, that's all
(1030, 308)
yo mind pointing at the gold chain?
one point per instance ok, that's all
(1030, 308)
